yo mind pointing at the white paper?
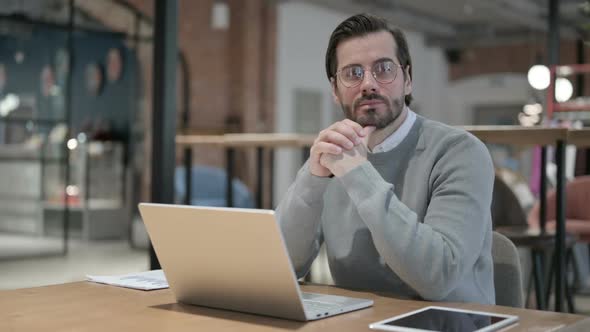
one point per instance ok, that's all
(148, 280)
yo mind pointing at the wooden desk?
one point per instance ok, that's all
(85, 306)
(518, 135)
(274, 140)
(579, 137)
(229, 142)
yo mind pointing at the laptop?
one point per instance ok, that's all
(233, 259)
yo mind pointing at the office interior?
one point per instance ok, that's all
(100, 110)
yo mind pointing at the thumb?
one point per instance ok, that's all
(367, 131)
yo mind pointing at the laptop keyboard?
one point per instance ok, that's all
(313, 306)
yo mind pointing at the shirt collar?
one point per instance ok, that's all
(397, 136)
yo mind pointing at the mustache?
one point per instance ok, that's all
(372, 96)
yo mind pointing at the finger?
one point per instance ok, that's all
(327, 160)
(335, 137)
(354, 125)
(325, 147)
(323, 161)
(347, 131)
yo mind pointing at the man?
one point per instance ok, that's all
(401, 202)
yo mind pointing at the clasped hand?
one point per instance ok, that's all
(339, 148)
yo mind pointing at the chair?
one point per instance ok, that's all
(577, 209)
(208, 187)
(507, 272)
(509, 218)
(577, 214)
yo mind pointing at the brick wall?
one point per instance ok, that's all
(231, 75)
(511, 58)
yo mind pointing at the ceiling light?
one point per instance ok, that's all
(539, 77)
(563, 89)
(72, 144)
(19, 57)
(72, 190)
(9, 104)
(220, 15)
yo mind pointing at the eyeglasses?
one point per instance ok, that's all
(384, 72)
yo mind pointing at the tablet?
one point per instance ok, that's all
(435, 318)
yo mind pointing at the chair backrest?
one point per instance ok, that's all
(577, 196)
(208, 187)
(507, 272)
(506, 208)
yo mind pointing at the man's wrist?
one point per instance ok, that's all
(343, 168)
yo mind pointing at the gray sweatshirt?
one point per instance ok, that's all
(414, 221)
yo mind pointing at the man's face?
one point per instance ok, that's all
(370, 102)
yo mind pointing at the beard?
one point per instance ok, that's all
(370, 117)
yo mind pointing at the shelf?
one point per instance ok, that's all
(36, 121)
(569, 106)
(35, 159)
(12, 153)
(568, 70)
(93, 204)
(579, 104)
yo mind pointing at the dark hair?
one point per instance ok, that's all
(361, 25)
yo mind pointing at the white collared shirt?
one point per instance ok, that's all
(397, 136)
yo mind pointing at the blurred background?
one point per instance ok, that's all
(82, 113)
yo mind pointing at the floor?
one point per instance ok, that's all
(96, 258)
(50, 267)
